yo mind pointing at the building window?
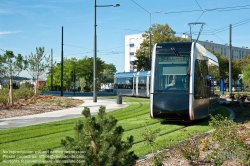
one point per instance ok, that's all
(131, 53)
(131, 45)
(131, 66)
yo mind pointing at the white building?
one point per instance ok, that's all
(237, 52)
(132, 43)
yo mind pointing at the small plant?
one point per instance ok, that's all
(205, 144)
(149, 136)
(190, 150)
(68, 103)
(58, 102)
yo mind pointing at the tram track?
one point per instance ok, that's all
(162, 134)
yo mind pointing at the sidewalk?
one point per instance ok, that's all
(75, 112)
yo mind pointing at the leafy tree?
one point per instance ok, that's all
(85, 70)
(236, 69)
(246, 70)
(142, 62)
(224, 65)
(98, 142)
(2, 71)
(159, 33)
(69, 66)
(37, 64)
(245, 61)
(12, 65)
(246, 75)
(56, 77)
(109, 71)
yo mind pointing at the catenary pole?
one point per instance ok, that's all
(51, 82)
(230, 59)
(62, 66)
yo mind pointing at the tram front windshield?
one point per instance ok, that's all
(172, 68)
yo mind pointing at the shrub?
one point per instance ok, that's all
(98, 142)
(226, 142)
(190, 149)
(86, 89)
(149, 136)
(3, 100)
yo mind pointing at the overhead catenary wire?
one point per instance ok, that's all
(212, 9)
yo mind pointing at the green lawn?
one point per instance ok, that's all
(133, 118)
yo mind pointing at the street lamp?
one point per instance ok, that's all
(95, 38)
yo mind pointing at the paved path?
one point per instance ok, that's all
(61, 114)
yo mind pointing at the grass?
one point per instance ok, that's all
(132, 119)
(224, 112)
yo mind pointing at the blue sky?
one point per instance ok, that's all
(27, 24)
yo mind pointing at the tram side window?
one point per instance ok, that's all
(125, 83)
(214, 74)
(149, 83)
(201, 89)
(142, 82)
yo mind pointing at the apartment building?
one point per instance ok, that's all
(132, 43)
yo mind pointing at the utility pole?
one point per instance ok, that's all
(62, 66)
(230, 59)
(51, 83)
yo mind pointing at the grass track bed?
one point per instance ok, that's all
(144, 109)
(132, 119)
(36, 144)
(27, 134)
(136, 122)
(163, 130)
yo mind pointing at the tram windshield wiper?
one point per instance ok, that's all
(175, 51)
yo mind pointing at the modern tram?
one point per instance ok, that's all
(132, 83)
(180, 84)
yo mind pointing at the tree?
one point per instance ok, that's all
(37, 64)
(159, 33)
(246, 75)
(109, 71)
(237, 65)
(85, 70)
(223, 65)
(2, 71)
(246, 70)
(12, 65)
(98, 142)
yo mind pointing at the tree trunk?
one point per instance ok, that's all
(10, 99)
(36, 86)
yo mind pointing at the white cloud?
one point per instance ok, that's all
(8, 32)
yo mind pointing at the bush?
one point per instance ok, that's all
(23, 93)
(17, 94)
(86, 89)
(226, 142)
(98, 142)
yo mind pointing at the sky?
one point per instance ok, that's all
(27, 24)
